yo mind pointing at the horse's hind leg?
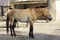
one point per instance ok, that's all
(7, 24)
(31, 31)
(14, 32)
(14, 25)
(11, 27)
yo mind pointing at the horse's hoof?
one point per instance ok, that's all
(15, 35)
(12, 35)
(31, 36)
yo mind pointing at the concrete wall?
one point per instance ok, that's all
(4, 2)
(52, 8)
(57, 10)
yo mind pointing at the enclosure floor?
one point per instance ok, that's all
(42, 31)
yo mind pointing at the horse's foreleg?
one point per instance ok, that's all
(31, 30)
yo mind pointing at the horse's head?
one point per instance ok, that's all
(43, 13)
(47, 15)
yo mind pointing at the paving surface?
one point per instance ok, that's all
(42, 31)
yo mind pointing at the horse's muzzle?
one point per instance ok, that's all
(49, 18)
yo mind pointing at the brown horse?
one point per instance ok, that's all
(24, 15)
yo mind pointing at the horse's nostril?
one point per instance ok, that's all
(50, 19)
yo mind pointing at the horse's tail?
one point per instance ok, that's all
(7, 24)
(27, 22)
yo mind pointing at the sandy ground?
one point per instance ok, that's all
(42, 31)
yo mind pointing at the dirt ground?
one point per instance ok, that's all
(42, 31)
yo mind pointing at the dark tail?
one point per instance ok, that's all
(7, 24)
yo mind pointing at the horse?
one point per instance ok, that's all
(25, 15)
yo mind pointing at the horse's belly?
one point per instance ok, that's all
(21, 19)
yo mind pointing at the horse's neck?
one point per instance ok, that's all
(38, 12)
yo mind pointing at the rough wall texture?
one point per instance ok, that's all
(52, 8)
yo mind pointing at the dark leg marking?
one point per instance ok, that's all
(14, 32)
(14, 25)
(11, 27)
(7, 24)
(31, 31)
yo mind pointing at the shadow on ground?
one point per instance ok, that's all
(38, 36)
